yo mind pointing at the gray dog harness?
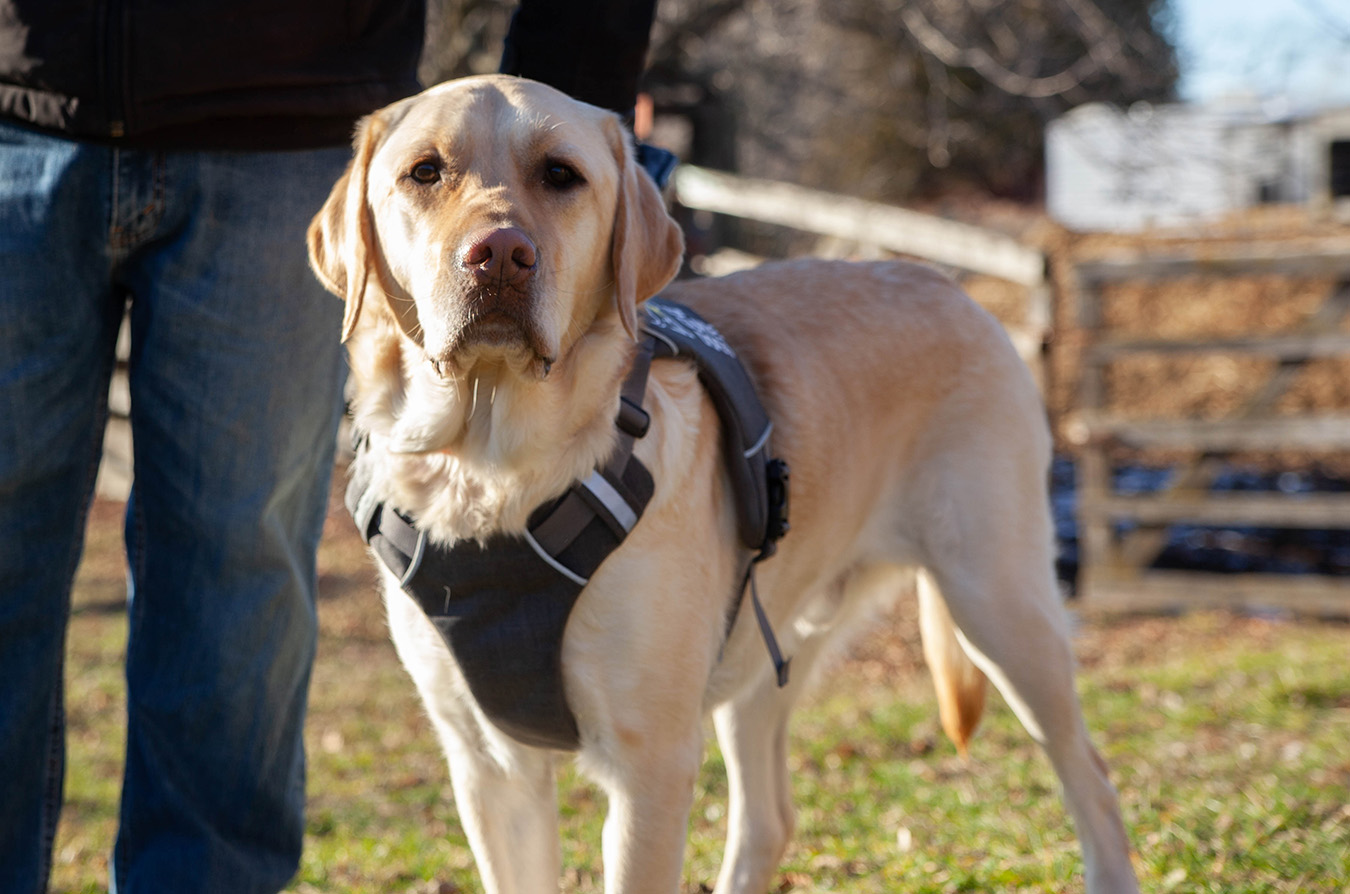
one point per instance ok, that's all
(502, 605)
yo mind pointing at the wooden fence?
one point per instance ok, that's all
(1114, 563)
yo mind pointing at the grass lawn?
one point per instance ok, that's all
(1229, 739)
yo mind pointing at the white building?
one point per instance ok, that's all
(1114, 170)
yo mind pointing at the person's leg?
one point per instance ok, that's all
(58, 327)
(236, 384)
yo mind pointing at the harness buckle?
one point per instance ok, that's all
(632, 419)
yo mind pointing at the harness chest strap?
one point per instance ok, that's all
(502, 605)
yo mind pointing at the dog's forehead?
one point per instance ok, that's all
(497, 115)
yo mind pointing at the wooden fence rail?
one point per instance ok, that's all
(897, 229)
(941, 241)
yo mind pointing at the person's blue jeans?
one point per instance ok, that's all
(236, 380)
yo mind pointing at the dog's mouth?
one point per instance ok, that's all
(500, 334)
(495, 328)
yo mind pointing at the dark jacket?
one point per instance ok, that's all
(593, 50)
(247, 74)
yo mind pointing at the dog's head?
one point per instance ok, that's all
(493, 219)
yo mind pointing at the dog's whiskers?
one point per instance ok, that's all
(473, 405)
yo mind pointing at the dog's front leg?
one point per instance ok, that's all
(505, 792)
(507, 803)
(651, 791)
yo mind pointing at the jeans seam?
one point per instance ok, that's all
(134, 543)
(161, 169)
(55, 772)
(114, 228)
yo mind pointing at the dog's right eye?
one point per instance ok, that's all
(425, 172)
(560, 175)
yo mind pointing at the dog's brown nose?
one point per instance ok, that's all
(503, 255)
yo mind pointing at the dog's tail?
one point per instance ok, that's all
(960, 684)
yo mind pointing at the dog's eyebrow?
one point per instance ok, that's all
(548, 133)
(562, 151)
(427, 147)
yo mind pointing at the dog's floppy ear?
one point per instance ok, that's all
(648, 245)
(341, 236)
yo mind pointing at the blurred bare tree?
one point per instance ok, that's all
(890, 99)
(884, 99)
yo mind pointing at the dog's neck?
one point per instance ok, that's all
(475, 452)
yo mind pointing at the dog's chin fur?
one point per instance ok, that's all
(500, 339)
(473, 449)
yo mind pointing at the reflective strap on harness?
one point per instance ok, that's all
(612, 502)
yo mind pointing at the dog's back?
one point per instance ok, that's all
(873, 365)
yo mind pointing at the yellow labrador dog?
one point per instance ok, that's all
(494, 240)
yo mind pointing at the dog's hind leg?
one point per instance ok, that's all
(989, 550)
(752, 730)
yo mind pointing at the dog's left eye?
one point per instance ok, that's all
(425, 172)
(561, 175)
